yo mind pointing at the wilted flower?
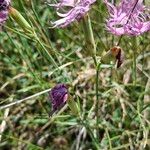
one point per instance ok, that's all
(71, 10)
(4, 5)
(118, 53)
(115, 54)
(58, 96)
(128, 18)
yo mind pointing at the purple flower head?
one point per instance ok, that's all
(4, 5)
(130, 17)
(58, 96)
(71, 10)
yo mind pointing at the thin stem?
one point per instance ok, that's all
(134, 68)
(97, 66)
(24, 99)
(95, 60)
(89, 37)
(134, 60)
(109, 140)
(97, 96)
(91, 48)
(42, 46)
(119, 40)
(95, 141)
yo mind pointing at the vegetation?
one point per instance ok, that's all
(114, 102)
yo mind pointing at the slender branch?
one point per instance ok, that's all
(25, 99)
(97, 95)
(95, 141)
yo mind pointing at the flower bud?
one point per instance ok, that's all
(59, 95)
(20, 20)
(73, 106)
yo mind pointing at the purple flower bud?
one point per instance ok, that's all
(4, 5)
(71, 10)
(58, 96)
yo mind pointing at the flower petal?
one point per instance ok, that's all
(76, 9)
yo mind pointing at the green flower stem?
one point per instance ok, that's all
(134, 60)
(91, 50)
(97, 87)
(89, 37)
(48, 54)
(120, 38)
(97, 65)
(90, 132)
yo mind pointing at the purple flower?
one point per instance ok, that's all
(71, 10)
(4, 5)
(128, 18)
(58, 96)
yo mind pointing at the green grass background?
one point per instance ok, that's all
(28, 67)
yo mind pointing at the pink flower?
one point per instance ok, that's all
(71, 10)
(4, 5)
(128, 18)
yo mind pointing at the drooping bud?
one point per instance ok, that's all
(73, 106)
(115, 54)
(22, 22)
(118, 53)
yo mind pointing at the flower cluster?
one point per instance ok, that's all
(4, 5)
(71, 10)
(128, 18)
